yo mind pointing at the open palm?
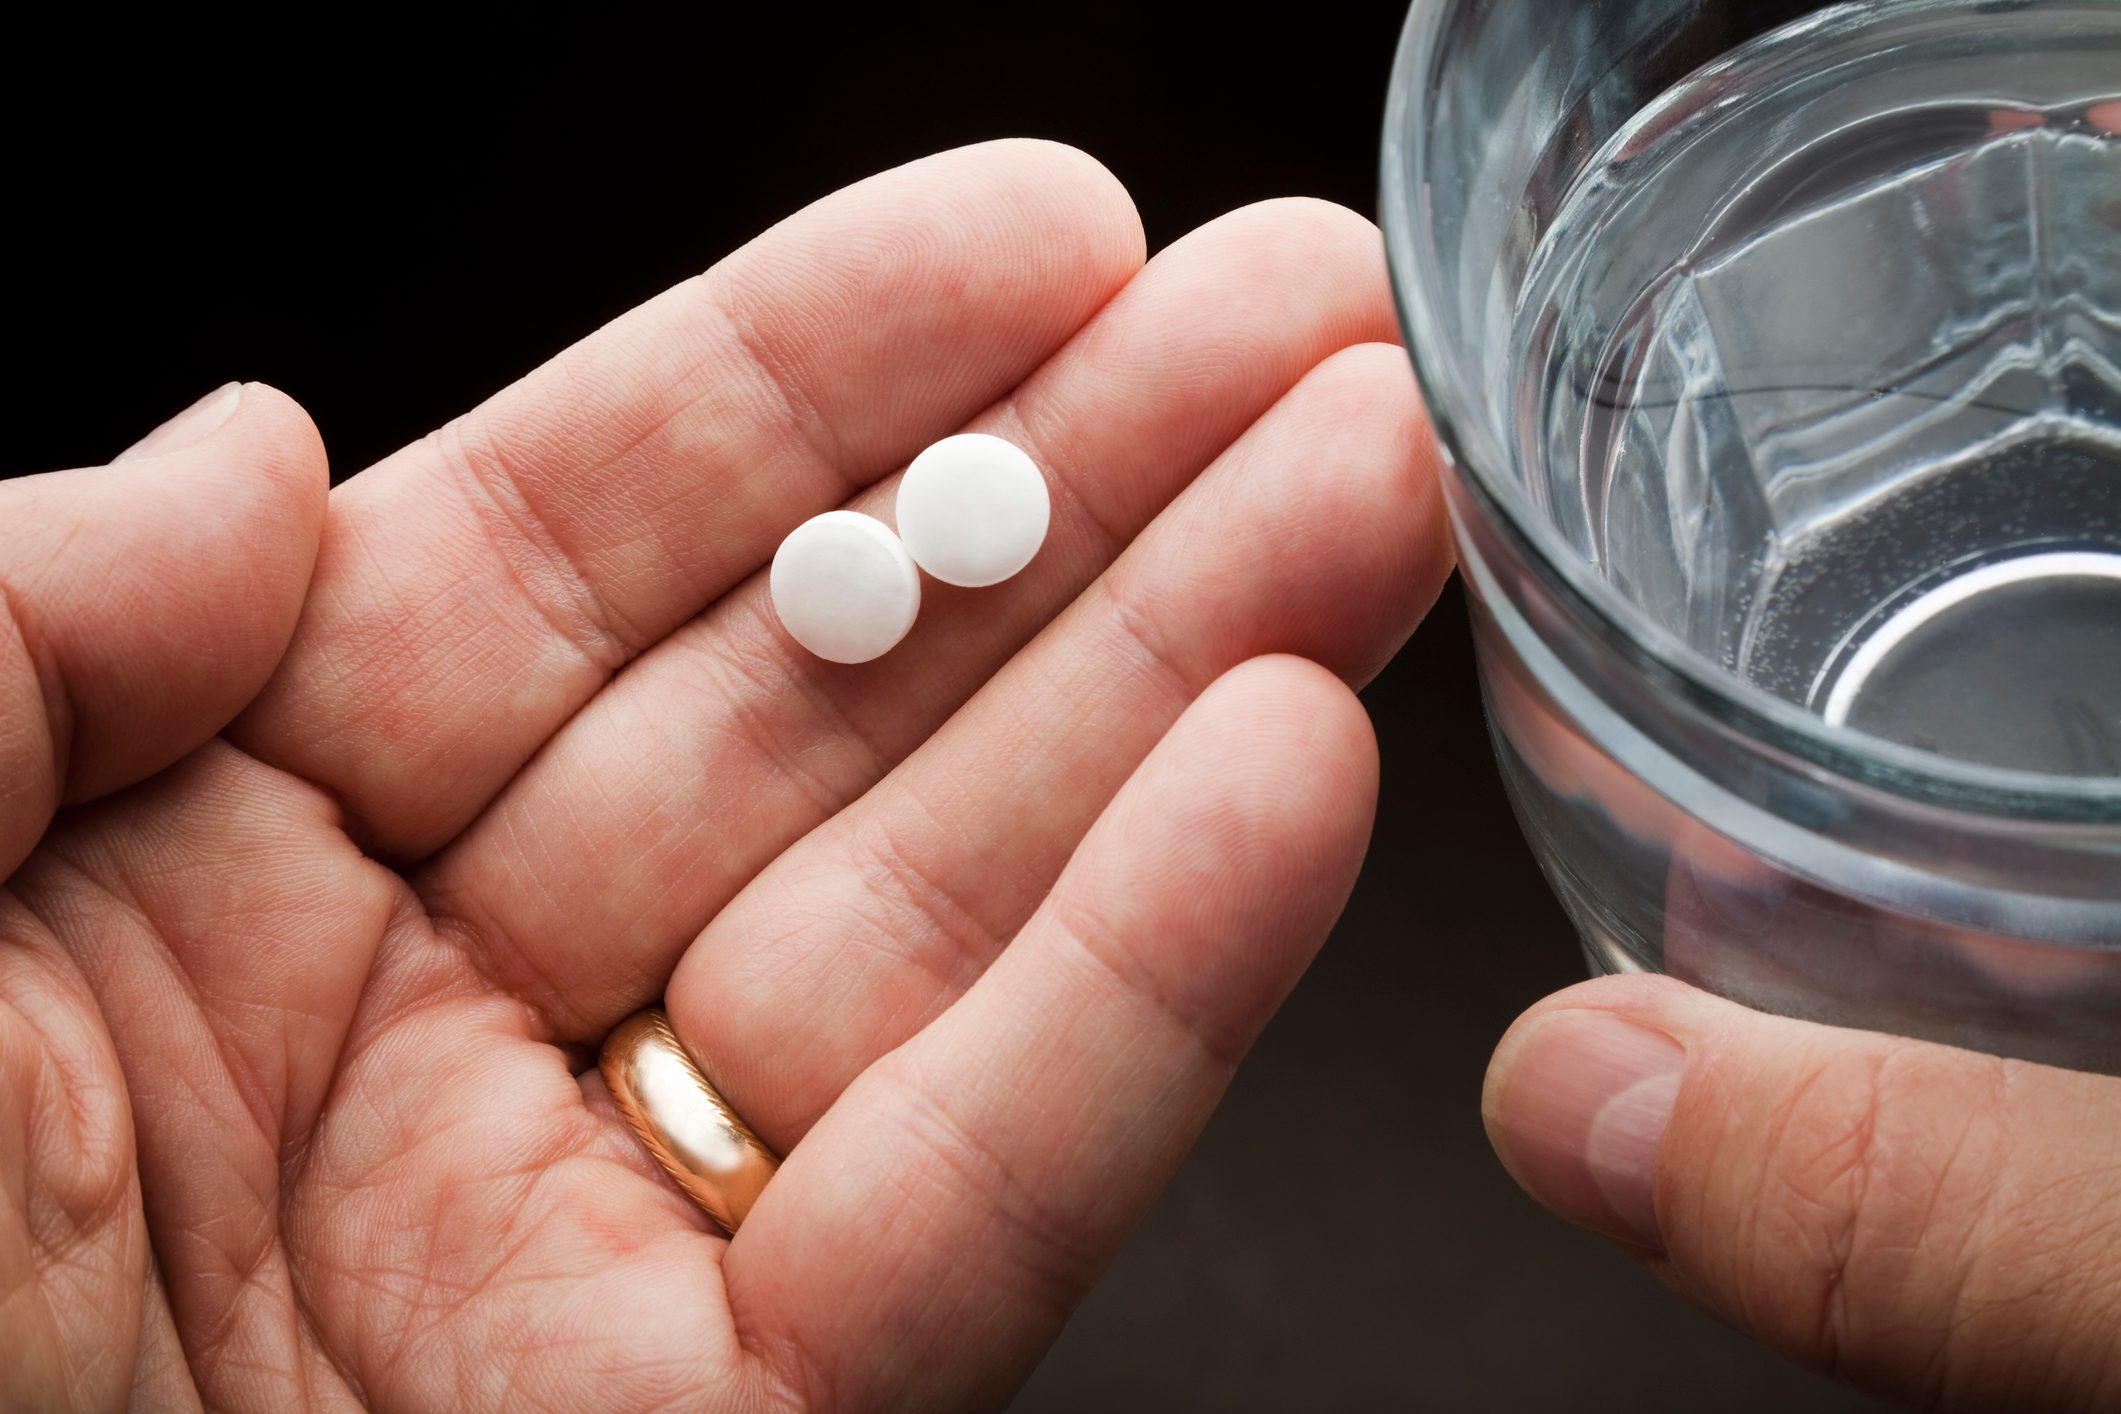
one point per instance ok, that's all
(296, 1104)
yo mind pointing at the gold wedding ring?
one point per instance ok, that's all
(684, 1121)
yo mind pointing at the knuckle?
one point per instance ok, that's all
(485, 462)
(1895, 1237)
(939, 929)
(1843, 1215)
(1044, 1253)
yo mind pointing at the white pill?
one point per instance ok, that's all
(845, 587)
(973, 510)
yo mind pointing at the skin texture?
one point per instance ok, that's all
(338, 830)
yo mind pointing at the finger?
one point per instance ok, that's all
(1935, 1225)
(475, 589)
(925, 1243)
(1320, 533)
(644, 816)
(143, 603)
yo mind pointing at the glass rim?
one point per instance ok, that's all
(1760, 715)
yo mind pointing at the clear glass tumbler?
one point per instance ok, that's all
(1776, 348)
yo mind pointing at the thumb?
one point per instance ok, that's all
(144, 603)
(1940, 1227)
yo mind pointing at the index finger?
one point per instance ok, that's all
(478, 587)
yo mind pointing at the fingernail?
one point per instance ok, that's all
(193, 425)
(1578, 1114)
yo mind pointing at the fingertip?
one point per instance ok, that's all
(1259, 798)
(1273, 773)
(241, 515)
(1339, 232)
(1381, 467)
(1540, 1097)
(1296, 718)
(160, 591)
(265, 480)
(1377, 376)
(1060, 207)
(951, 278)
(1301, 244)
(1270, 676)
(259, 473)
(1367, 391)
(282, 445)
(1064, 171)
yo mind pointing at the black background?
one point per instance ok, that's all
(388, 223)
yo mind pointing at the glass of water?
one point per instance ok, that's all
(1777, 351)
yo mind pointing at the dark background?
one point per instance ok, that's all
(389, 224)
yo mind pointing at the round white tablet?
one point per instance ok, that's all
(973, 509)
(845, 587)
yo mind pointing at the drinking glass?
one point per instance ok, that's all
(1776, 352)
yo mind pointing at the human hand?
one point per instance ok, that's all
(1940, 1227)
(539, 753)
(141, 606)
